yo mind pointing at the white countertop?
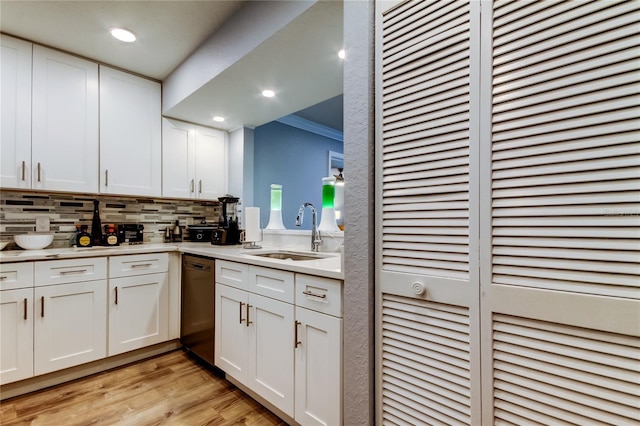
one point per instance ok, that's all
(328, 267)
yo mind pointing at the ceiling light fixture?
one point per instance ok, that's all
(123, 35)
(218, 119)
(342, 54)
(268, 93)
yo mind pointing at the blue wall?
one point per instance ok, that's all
(296, 159)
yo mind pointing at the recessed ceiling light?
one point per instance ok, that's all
(342, 54)
(268, 93)
(123, 35)
(218, 119)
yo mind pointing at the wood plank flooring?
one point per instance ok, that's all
(170, 389)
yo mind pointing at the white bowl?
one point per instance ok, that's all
(3, 245)
(33, 240)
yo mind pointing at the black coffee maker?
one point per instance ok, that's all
(228, 232)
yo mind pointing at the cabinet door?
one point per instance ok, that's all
(70, 325)
(271, 351)
(16, 335)
(15, 113)
(318, 365)
(178, 159)
(231, 336)
(210, 163)
(138, 312)
(130, 134)
(64, 122)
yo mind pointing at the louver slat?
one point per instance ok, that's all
(426, 360)
(571, 374)
(566, 147)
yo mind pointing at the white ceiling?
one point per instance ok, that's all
(170, 30)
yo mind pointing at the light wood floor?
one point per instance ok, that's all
(171, 389)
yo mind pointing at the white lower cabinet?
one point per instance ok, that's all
(254, 342)
(138, 301)
(70, 325)
(289, 355)
(318, 371)
(69, 313)
(16, 335)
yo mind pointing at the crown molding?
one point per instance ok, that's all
(311, 126)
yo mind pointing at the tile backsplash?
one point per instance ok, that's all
(19, 209)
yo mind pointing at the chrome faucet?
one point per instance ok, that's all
(316, 238)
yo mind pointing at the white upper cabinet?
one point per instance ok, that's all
(130, 134)
(64, 122)
(15, 90)
(211, 163)
(194, 161)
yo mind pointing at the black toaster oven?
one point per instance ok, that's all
(130, 233)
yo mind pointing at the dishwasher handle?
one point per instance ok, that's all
(190, 264)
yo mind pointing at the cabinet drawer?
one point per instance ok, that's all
(70, 271)
(16, 275)
(272, 283)
(319, 294)
(138, 264)
(233, 274)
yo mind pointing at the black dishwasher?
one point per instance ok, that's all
(197, 313)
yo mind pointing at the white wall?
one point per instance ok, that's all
(358, 394)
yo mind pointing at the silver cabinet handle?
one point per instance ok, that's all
(23, 170)
(200, 187)
(240, 313)
(193, 182)
(308, 293)
(141, 265)
(296, 342)
(106, 177)
(38, 172)
(4, 277)
(76, 271)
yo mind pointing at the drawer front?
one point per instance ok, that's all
(272, 283)
(16, 275)
(138, 264)
(232, 274)
(319, 294)
(70, 271)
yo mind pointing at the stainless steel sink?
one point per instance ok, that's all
(290, 255)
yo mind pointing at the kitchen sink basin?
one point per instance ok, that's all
(290, 255)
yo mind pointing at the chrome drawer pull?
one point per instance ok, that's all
(23, 169)
(141, 265)
(77, 271)
(308, 293)
(4, 277)
(241, 319)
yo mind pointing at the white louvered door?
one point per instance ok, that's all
(508, 186)
(561, 326)
(427, 185)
